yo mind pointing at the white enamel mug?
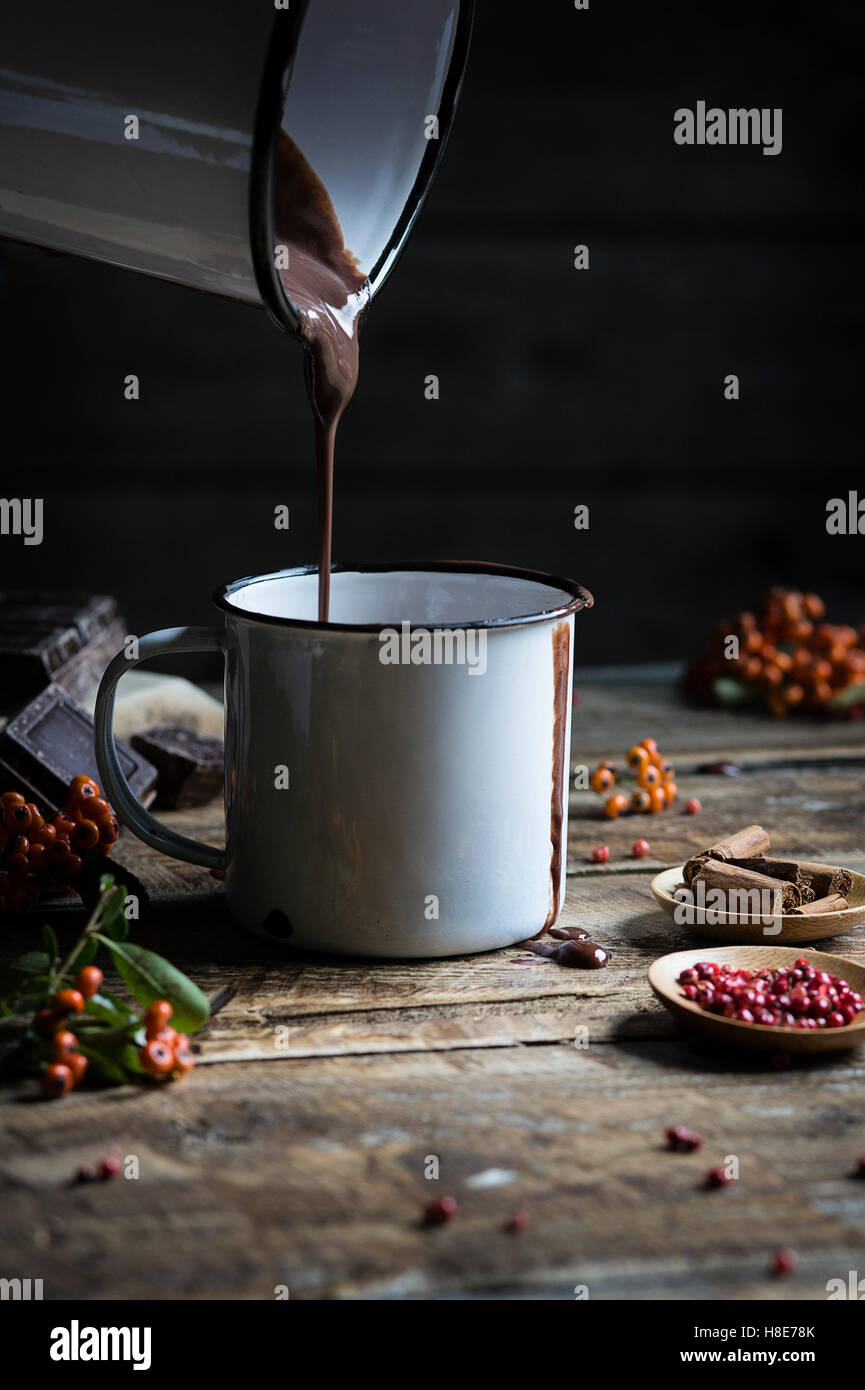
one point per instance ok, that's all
(397, 778)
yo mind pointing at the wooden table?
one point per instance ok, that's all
(302, 1163)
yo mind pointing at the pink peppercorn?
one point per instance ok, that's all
(440, 1210)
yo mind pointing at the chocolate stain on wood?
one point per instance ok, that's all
(561, 668)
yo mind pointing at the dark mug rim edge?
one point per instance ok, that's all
(580, 596)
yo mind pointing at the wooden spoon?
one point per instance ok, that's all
(664, 974)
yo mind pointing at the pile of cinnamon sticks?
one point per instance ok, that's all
(740, 863)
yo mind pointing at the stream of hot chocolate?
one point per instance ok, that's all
(329, 291)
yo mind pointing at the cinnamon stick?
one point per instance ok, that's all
(826, 879)
(730, 878)
(787, 869)
(693, 866)
(750, 843)
(833, 903)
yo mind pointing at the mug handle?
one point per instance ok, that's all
(118, 791)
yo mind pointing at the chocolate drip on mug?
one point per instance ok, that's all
(329, 291)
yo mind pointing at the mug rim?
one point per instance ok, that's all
(580, 596)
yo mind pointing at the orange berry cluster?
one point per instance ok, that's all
(68, 1065)
(165, 1052)
(788, 659)
(655, 777)
(36, 851)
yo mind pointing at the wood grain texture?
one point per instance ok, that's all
(295, 1152)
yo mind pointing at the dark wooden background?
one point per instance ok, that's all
(557, 387)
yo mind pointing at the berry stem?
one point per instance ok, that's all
(90, 930)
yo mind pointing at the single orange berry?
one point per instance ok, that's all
(37, 858)
(821, 692)
(601, 779)
(648, 776)
(83, 786)
(167, 1035)
(649, 744)
(18, 863)
(17, 817)
(70, 865)
(183, 1058)
(641, 801)
(57, 850)
(64, 826)
(77, 1065)
(156, 1057)
(68, 1001)
(88, 980)
(615, 805)
(637, 757)
(666, 769)
(57, 1081)
(47, 1022)
(658, 797)
(46, 835)
(671, 791)
(157, 1014)
(109, 829)
(752, 668)
(63, 1045)
(11, 799)
(814, 606)
(37, 820)
(86, 835)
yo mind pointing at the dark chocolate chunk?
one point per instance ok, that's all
(49, 742)
(190, 768)
(67, 639)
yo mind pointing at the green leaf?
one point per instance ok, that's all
(49, 941)
(850, 695)
(87, 954)
(32, 963)
(113, 919)
(150, 977)
(106, 1010)
(732, 692)
(102, 1064)
(11, 981)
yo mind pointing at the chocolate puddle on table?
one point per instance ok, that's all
(329, 291)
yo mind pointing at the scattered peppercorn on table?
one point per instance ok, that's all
(302, 1150)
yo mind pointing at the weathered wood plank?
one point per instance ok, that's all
(314, 1177)
(612, 714)
(312, 1174)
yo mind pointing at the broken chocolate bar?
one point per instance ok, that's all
(64, 639)
(49, 742)
(190, 768)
